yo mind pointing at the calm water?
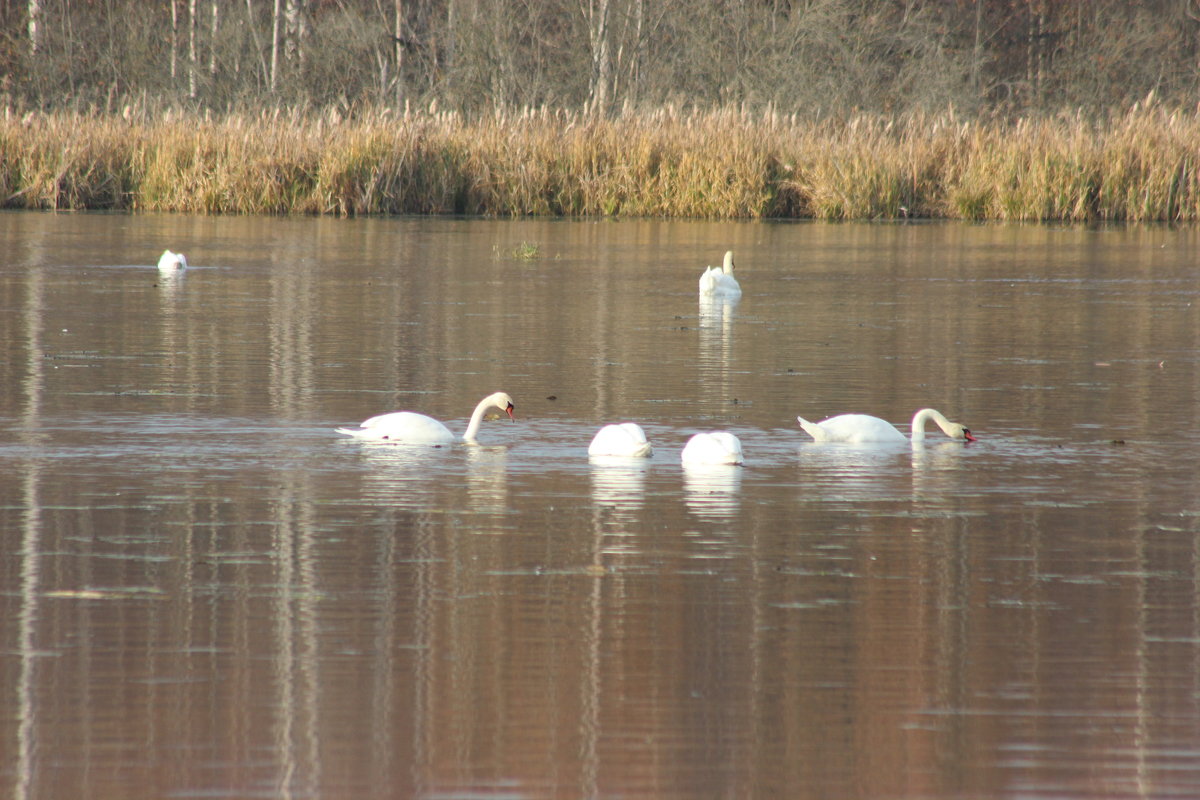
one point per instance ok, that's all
(206, 592)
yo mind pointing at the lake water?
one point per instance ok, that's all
(207, 592)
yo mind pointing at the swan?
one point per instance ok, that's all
(859, 428)
(720, 280)
(408, 427)
(169, 262)
(717, 447)
(625, 439)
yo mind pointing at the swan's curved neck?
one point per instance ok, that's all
(476, 420)
(924, 415)
(727, 267)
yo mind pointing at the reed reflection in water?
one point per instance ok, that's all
(211, 592)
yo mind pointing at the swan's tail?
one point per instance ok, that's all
(708, 280)
(812, 430)
(358, 433)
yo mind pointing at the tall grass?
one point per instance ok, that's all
(1139, 165)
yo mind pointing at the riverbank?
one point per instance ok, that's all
(1138, 166)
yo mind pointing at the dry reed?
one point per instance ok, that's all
(1137, 166)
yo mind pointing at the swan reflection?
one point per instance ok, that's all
(403, 475)
(712, 491)
(856, 472)
(618, 481)
(716, 317)
(934, 468)
(487, 478)
(171, 281)
(618, 490)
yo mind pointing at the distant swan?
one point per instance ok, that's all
(168, 261)
(860, 428)
(408, 427)
(720, 281)
(718, 447)
(625, 439)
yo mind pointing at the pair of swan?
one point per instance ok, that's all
(170, 262)
(628, 440)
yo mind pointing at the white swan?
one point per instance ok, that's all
(626, 439)
(408, 427)
(720, 280)
(169, 262)
(717, 447)
(860, 428)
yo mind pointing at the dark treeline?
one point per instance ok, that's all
(812, 57)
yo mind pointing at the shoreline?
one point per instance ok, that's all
(1139, 166)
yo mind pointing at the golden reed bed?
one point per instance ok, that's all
(1137, 166)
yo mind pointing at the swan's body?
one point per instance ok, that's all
(409, 427)
(719, 281)
(861, 428)
(625, 439)
(718, 447)
(169, 262)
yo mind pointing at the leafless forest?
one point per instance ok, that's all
(816, 58)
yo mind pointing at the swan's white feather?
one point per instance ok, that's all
(403, 427)
(169, 261)
(863, 428)
(719, 281)
(409, 427)
(624, 439)
(716, 447)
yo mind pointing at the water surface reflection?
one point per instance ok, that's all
(212, 593)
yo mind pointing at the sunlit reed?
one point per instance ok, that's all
(1140, 165)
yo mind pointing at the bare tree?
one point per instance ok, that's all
(213, 38)
(295, 31)
(398, 50)
(192, 48)
(276, 19)
(174, 58)
(34, 26)
(596, 13)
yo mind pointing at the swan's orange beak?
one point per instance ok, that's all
(510, 414)
(967, 435)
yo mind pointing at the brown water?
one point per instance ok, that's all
(206, 592)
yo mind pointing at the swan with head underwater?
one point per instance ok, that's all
(170, 262)
(624, 440)
(861, 428)
(409, 427)
(711, 449)
(719, 281)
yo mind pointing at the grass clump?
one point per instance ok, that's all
(1140, 165)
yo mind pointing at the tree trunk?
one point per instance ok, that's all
(193, 64)
(214, 33)
(398, 45)
(276, 17)
(174, 42)
(295, 31)
(601, 57)
(35, 26)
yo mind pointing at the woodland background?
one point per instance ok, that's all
(817, 58)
